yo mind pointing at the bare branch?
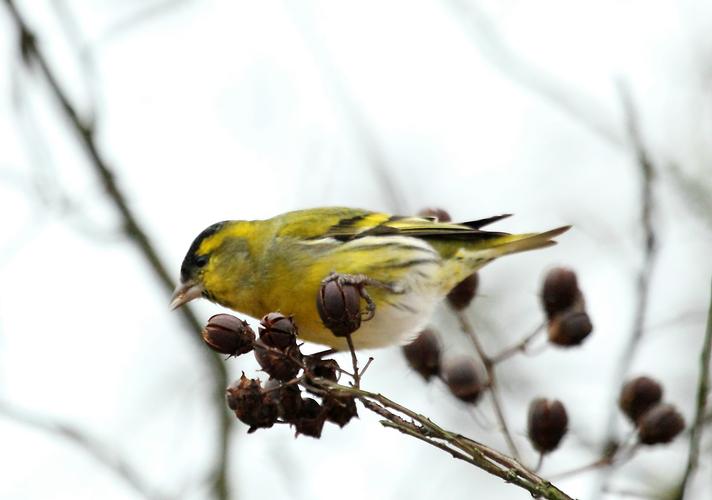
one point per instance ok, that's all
(89, 445)
(86, 135)
(649, 249)
(703, 388)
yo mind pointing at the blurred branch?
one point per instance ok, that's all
(703, 387)
(574, 103)
(457, 445)
(148, 12)
(98, 451)
(643, 279)
(489, 365)
(354, 117)
(32, 55)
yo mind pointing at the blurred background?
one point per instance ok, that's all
(129, 126)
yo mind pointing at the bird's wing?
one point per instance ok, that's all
(346, 224)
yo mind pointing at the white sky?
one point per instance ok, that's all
(215, 109)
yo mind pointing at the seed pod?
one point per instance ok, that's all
(423, 354)
(463, 293)
(251, 406)
(288, 398)
(547, 424)
(278, 331)
(311, 419)
(440, 214)
(463, 380)
(282, 365)
(339, 306)
(660, 424)
(569, 328)
(340, 409)
(323, 368)
(560, 291)
(227, 334)
(638, 396)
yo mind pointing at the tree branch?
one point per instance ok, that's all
(703, 388)
(86, 135)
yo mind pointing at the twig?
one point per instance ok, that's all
(98, 451)
(86, 135)
(703, 387)
(643, 279)
(457, 445)
(520, 346)
(488, 363)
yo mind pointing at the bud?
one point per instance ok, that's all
(323, 368)
(440, 214)
(251, 406)
(311, 419)
(660, 424)
(463, 293)
(638, 396)
(560, 291)
(282, 365)
(340, 409)
(339, 306)
(227, 334)
(423, 354)
(569, 328)
(548, 423)
(463, 380)
(278, 331)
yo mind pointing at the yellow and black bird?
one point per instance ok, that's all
(278, 264)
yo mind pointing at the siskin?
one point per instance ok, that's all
(278, 264)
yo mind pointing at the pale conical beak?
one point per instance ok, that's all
(185, 292)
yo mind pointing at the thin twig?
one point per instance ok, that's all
(86, 134)
(649, 244)
(520, 346)
(703, 388)
(457, 445)
(97, 450)
(469, 330)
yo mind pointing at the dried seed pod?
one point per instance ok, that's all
(560, 292)
(463, 293)
(323, 368)
(440, 214)
(227, 334)
(339, 409)
(251, 406)
(638, 396)
(288, 398)
(660, 424)
(282, 365)
(463, 380)
(311, 419)
(423, 354)
(569, 328)
(278, 331)
(339, 306)
(547, 424)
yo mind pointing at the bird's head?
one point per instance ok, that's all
(214, 264)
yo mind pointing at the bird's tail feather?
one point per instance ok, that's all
(514, 243)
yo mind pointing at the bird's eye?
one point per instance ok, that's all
(201, 260)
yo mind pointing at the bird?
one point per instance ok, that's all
(278, 264)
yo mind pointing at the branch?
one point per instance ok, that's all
(457, 445)
(98, 451)
(86, 135)
(703, 387)
(647, 177)
(489, 365)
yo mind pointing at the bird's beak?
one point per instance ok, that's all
(185, 292)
